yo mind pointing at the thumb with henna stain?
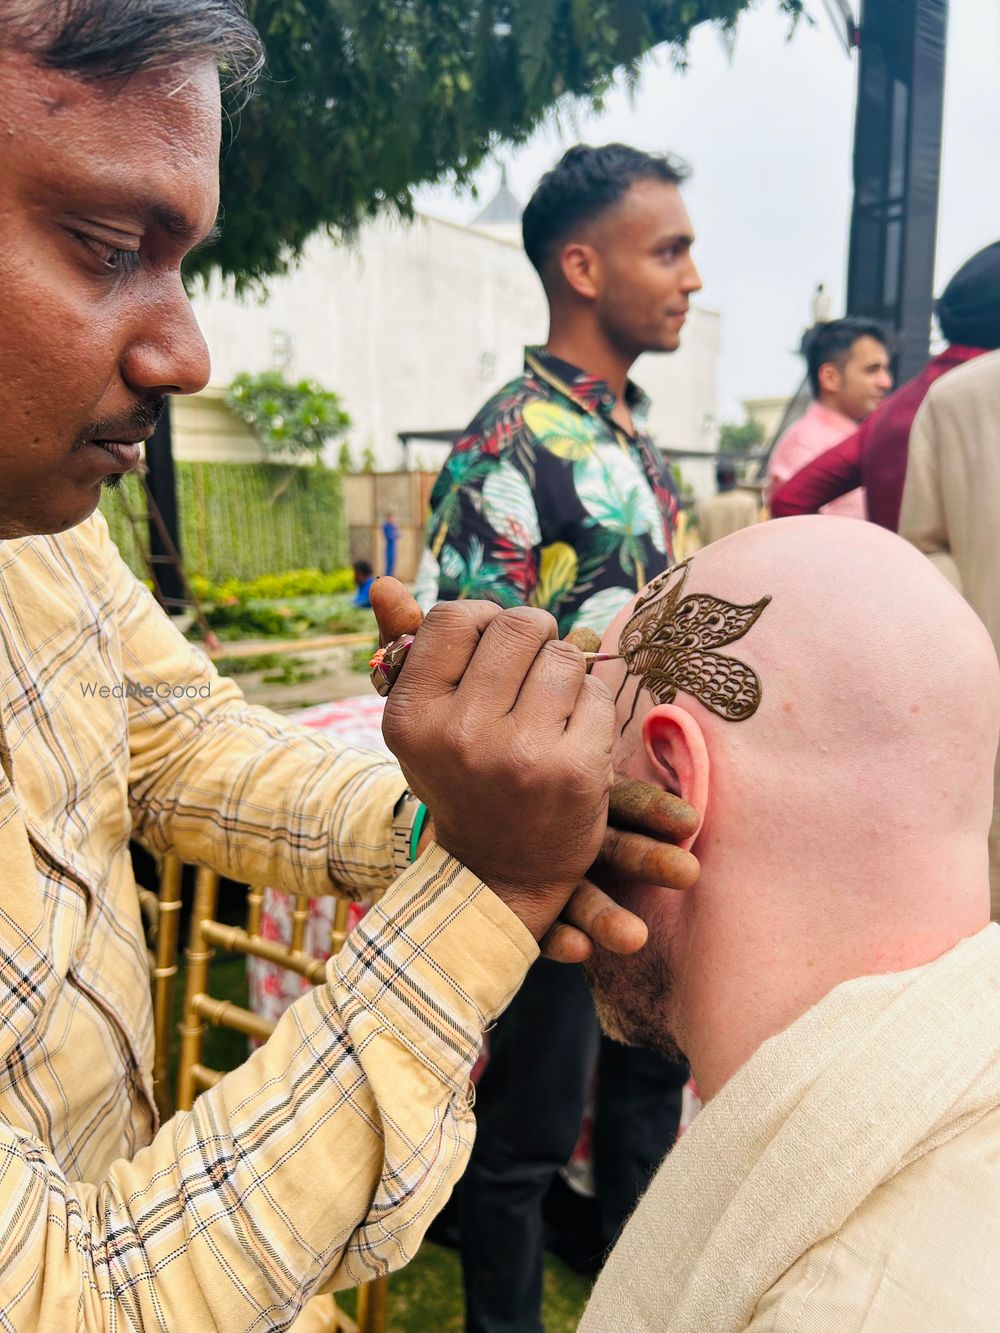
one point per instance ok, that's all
(395, 610)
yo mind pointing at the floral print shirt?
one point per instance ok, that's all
(546, 501)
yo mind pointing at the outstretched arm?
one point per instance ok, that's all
(832, 474)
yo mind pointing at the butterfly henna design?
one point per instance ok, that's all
(669, 644)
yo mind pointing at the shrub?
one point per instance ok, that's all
(287, 606)
(293, 583)
(229, 528)
(287, 418)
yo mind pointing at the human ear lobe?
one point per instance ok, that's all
(676, 750)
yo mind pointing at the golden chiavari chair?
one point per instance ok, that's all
(166, 935)
(206, 934)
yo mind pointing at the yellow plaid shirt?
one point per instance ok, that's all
(319, 1162)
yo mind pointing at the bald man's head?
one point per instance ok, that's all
(831, 706)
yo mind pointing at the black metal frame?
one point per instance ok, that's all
(897, 153)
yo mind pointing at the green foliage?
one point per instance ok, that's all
(290, 671)
(239, 666)
(742, 438)
(254, 620)
(368, 459)
(237, 610)
(366, 99)
(230, 528)
(294, 583)
(344, 460)
(684, 488)
(280, 668)
(131, 541)
(287, 418)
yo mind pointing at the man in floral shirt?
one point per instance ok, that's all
(556, 497)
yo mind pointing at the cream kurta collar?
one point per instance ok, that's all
(880, 1072)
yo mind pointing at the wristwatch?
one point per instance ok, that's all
(404, 818)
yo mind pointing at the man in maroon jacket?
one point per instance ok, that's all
(875, 455)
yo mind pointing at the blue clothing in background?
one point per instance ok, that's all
(363, 595)
(391, 534)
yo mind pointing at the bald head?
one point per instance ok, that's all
(838, 740)
(879, 697)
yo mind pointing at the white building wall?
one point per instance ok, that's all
(768, 411)
(415, 325)
(682, 386)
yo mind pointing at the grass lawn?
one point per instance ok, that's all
(427, 1295)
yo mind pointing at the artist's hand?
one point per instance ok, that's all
(643, 824)
(592, 916)
(502, 734)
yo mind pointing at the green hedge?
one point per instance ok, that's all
(228, 528)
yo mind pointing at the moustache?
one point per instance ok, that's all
(142, 420)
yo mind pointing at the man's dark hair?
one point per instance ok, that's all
(725, 475)
(831, 344)
(106, 39)
(363, 569)
(584, 183)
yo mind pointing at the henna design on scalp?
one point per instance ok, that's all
(669, 644)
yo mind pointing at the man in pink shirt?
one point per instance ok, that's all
(848, 362)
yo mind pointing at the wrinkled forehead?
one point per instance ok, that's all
(154, 134)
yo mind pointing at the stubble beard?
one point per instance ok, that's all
(632, 999)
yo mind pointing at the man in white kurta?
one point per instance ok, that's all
(841, 1013)
(951, 502)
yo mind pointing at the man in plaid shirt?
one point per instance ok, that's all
(319, 1162)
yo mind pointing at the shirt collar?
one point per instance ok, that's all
(829, 416)
(589, 391)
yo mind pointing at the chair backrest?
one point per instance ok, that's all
(206, 934)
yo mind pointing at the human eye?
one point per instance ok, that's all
(113, 258)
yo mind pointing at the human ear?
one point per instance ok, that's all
(830, 378)
(580, 269)
(675, 748)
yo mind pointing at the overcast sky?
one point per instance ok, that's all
(768, 131)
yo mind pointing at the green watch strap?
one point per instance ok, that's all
(419, 820)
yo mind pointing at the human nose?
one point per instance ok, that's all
(167, 354)
(692, 279)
